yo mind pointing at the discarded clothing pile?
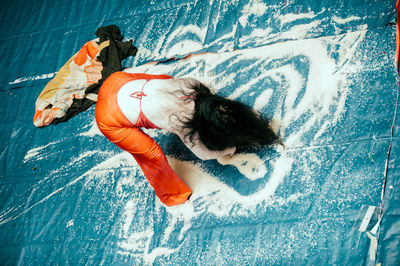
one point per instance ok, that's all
(74, 88)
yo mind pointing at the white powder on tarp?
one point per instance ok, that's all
(226, 40)
(93, 131)
(258, 37)
(35, 153)
(263, 99)
(262, 36)
(70, 223)
(23, 79)
(254, 7)
(292, 17)
(299, 32)
(191, 39)
(138, 243)
(188, 45)
(345, 20)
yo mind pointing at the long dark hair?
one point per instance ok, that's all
(222, 123)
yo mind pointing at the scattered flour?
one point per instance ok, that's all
(292, 17)
(299, 32)
(35, 152)
(43, 76)
(254, 7)
(263, 99)
(70, 223)
(345, 20)
(258, 37)
(93, 131)
(138, 244)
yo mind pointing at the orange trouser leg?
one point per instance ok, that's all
(112, 123)
(166, 183)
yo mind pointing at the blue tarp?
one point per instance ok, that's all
(324, 71)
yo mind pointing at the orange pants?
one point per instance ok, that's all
(119, 130)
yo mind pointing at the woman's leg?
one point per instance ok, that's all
(166, 183)
(114, 125)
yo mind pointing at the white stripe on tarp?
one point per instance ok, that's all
(367, 218)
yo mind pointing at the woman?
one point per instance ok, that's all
(209, 125)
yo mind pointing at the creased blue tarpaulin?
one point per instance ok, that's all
(324, 71)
